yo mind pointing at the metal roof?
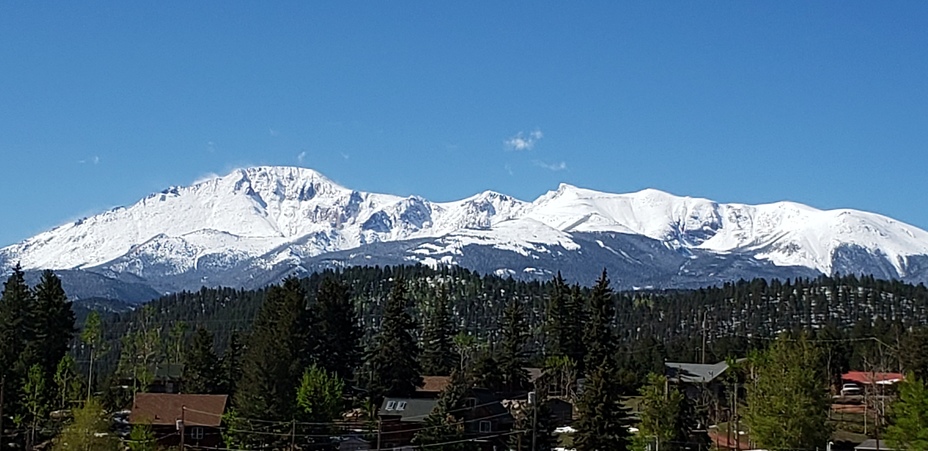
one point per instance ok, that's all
(694, 373)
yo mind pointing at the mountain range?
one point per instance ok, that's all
(256, 225)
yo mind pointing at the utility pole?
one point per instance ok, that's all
(379, 431)
(292, 435)
(704, 312)
(182, 426)
(533, 400)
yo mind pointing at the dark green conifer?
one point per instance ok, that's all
(511, 354)
(604, 419)
(599, 337)
(394, 358)
(277, 353)
(339, 336)
(438, 355)
(201, 366)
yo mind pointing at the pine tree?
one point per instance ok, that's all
(278, 350)
(15, 303)
(787, 397)
(393, 360)
(604, 419)
(599, 338)
(338, 330)
(53, 323)
(201, 366)
(230, 365)
(438, 356)
(557, 318)
(511, 355)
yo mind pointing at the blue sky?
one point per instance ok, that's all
(824, 103)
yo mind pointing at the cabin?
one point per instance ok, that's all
(198, 417)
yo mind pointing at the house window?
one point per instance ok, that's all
(196, 433)
(470, 403)
(391, 405)
(486, 426)
(401, 405)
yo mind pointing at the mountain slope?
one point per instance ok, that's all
(255, 225)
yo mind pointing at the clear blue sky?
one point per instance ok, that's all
(825, 103)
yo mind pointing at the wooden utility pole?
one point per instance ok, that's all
(292, 435)
(183, 427)
(704, 312)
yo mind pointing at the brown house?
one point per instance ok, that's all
(199, 416)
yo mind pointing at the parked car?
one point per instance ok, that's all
(851, 390)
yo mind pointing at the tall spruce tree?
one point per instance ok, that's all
(438, 355)
(604, 419)
(52, 324)
(201, 366)
(15, 303)
(599, 338)
(279, 348)
(512, 357)
(557, 318)
(394, 358)
(339, 335)
(230, 365)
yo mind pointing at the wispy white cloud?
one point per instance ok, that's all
(273, 132)
(524, 141)
(210, 146)
(345, 155)
(94, 160)
(509, 169)
(301, 157)
(561, 166)
(205, 178)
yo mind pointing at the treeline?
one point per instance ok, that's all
(300, 353)
(651, 327)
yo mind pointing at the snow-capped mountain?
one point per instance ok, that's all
(255, 225)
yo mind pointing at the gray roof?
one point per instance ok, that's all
(415, 410)
(871, 444)
(694, 373)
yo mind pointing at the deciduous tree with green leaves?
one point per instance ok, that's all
(88, 431)
(787, 396)
(661, 415)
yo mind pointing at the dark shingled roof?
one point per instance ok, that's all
(164, 409)
(694, 373)
(415, 409)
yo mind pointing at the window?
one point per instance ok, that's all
(391, 405)
(470, 403)
(196, 433)
(401, 405)
(486, 426)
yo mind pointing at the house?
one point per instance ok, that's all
(869, 378)
(200, 417)
(707, 385)
(485, 419)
